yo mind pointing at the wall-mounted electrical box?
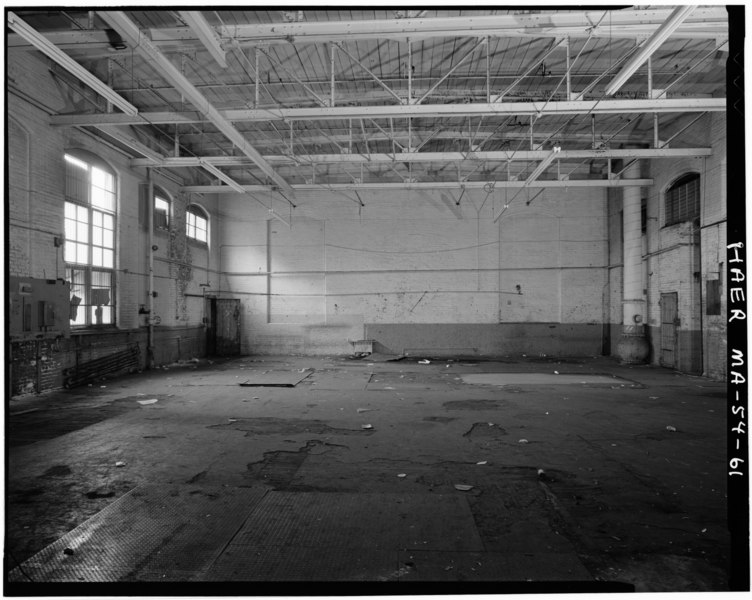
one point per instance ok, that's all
(38, 308)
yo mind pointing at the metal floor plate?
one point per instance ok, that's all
(153, 529)
(286, 563)
(320, 536)
(356, 520)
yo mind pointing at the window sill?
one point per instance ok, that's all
(94, 330)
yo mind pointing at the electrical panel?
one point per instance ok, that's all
(38, 308)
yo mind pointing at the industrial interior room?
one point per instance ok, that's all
(374, 300)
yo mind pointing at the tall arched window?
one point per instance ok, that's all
(682, 199)
(90, 219)
(197, 224)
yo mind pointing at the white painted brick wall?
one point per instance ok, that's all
(414, 257)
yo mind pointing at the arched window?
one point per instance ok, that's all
(162, 209)
(197, 224)
(682, 199)
(90, 218)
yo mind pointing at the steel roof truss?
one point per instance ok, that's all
(119, 21)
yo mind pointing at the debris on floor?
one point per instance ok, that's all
(120, 463)
(145, 402)
(463, 487)
(366, 426)
(670, 428)
(277, 378)
(523, 441)
(424, 362)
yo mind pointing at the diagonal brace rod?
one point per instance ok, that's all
(371, 73)
(452, 70)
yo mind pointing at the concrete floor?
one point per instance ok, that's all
(352, 475)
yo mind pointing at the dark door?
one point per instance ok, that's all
(669, 323)
(227, 330)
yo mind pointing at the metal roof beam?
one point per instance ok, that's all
(571, 183)
(678, 16)
(621, 23)
(707, 22)
(128, 29)
(50, 50)
(206, 34)
(417, 157)
(538, 109)
(542, 166)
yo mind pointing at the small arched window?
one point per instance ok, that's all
(197, 224)
(682, 199)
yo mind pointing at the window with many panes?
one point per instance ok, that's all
(197, 224)
(90, 205)
(682, 199)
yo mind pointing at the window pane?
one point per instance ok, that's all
(96, 236)
(101, 315)
(201, 235)
(82, 214)
(190, 219)
(102, 179)
(108, 258)
(82, 253)
(108, 222)
(96, 218)
(107, 239)
(82, 232)
(70, 229)
(69, 252)
(102, 199)
(70, 210)
(96, 256)
(76, 278)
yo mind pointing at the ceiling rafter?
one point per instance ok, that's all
(432, 185)
(416, 157)
(661, 105)
(206, 34)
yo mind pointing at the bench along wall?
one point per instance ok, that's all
(416, 272)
